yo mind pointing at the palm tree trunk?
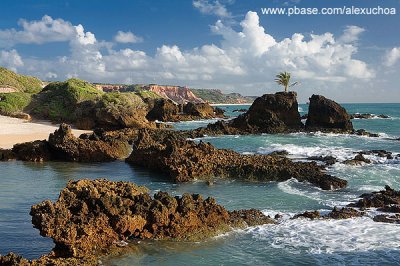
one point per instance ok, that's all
(286, 88)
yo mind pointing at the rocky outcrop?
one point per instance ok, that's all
(368, 116)
(202, 110)
(91, 216)
(271, 113)
(65, 146)
(176, 93)
(7, 155)
(185, 160)
(35, 151)
(327, 115)
(380, 199)
(163, 110)
(359, 159)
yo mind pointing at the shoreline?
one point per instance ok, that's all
(229, 104)
(16, 130)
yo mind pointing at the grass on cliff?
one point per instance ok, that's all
(58, 100)
(113, 101)
(16, 102)
(20, 83)
(216, 96)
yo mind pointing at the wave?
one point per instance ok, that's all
(340, 153)
(329, 236)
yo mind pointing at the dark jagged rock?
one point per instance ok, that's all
(202, 110)
(344, 213)
(308, 214)
(65, 146)
(380, 153)
(358, 160)
(328, 160)
(380, 199)
(363, 132)
(7, 155)
(239, 111)
(36, 151)
(279, 153)
(384, 218)
(327, 116)
(91, 216)
(219, 112)
(271, 113)
(367, 116)
(185, 160)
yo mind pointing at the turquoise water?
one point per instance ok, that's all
(293, 242)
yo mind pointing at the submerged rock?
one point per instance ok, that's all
(380, 199)
(363, 132)
(185, 160)
(359, 159)
(327, 115)
(328, 160)
(91, 216)
(367, 116)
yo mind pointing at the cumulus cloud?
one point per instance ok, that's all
(127, 37)
(10, 59)
(392, 56)
(38, 31)
(246, 59)
(211, 8)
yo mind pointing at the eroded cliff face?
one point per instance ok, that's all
(176, 93)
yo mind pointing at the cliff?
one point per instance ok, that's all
(178, 94)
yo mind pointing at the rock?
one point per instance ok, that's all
(363, 132)
(384, 218)
(184, 160)
(305, 116)
(271, 113)
(344, 213)
(328, 160)
(381, 199)
(359, 159)
(327, 116)
(308, 214)
(35, 151)
(163, 110)
(24, 116)
(91, 216)
(367, 116)
(65, 146)
(239, 111)
(7, 155)
(395, 208)
(201, 110)
(279, 153)
(12, 259)
(219, 112)
(383, 116)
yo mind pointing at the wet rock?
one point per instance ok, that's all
(184, 160)
(279, 153)
(359, 159)
(91, 216)
(363, 132)
(328, 160)
(368, 116)
(344, 213)
(239, 111)
(219, 112)
(380, 199)
(383, 116)
(35, 151)
(395, 208)
(271, 113)
(251, 217)
(327, 116)
(384, 218)
(308, 214)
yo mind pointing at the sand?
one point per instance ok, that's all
(15, 130)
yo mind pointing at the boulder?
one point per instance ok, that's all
(163, 110)
(183, 160)
(35, 151)
(380, 199)
(271, 113)
(91, 216)
(201, 110)
(7, 155)
(327, 116)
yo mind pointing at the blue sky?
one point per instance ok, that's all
(224, 44)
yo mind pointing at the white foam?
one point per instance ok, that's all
(329, 236)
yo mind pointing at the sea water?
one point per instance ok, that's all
(358, 241)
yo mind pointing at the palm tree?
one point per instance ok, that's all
(283, 79)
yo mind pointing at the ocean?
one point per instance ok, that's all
(358, 241)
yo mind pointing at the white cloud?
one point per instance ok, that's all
(392, 56)
(41, 31)
(127, 37)
(10, 59)
(351, 34)
(211, 8)
(246, 59)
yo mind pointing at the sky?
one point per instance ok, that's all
(215, 44)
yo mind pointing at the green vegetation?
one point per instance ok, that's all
(144, 94)
(216, 96)
(121, 100)
(21, 83)
(16, 102)
(283, 79)
(59, 100)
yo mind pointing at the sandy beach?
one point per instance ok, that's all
(14, 130)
